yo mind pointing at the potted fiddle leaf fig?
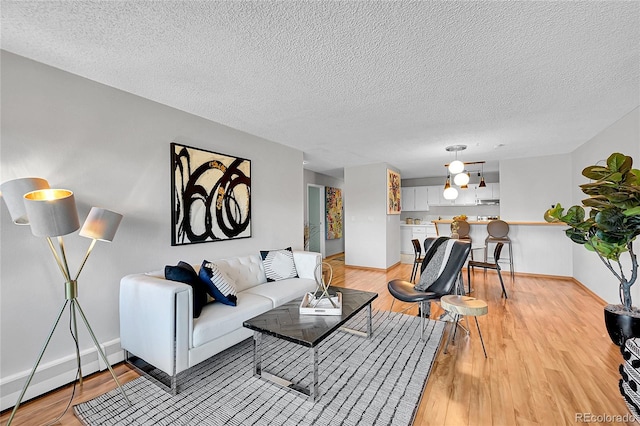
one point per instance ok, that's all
(609, 229)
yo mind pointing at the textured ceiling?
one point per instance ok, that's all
(353, 83)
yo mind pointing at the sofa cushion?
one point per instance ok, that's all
(279, 264)
(283, 291)
(244, 271)
(218, 284)
(217, 319)
(184, 273)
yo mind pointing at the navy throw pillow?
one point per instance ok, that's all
(218, 283)
(184, 273)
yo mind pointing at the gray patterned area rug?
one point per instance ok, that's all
(362, 382)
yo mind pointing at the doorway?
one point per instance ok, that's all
(315, 218)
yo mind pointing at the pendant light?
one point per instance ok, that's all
(449, 193)
(482, 182)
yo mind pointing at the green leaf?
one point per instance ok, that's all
(576, 236)
(615, 177)
(619, 163)
(596, 172)
(599, 202)
(609, 219)
(575, 215)
(617, 197)
(632, 211)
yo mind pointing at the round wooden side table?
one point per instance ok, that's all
(461, 306)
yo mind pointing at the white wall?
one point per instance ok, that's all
(112, 149)
(529, 186)
(372, 237)
(331, 246)
(622, 136)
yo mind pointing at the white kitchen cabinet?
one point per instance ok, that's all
(414, 199)
(422, 198)
(434, 196)
(490, 192)
(407, 199)
(495, 191)
(485, 193)
(406, 246)
(466, 197)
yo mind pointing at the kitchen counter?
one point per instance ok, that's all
(510, 222)
(538, 247)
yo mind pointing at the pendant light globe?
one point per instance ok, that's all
(450, 193)
(461, 179)
(456, 167)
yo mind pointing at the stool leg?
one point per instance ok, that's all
(481, 340)
(454, 327)
(511, 261)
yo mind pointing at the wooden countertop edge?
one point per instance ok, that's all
(510, 222)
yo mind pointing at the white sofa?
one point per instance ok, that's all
(156, 315)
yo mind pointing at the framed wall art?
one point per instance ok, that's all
(393, 192)
(211, 196)
(333, 206)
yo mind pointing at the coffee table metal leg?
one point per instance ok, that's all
(369, 331)
(257, 354)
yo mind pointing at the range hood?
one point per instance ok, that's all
(488, 202)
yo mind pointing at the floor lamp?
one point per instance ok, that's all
(52, 213)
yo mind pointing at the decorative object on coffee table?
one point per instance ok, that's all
(320, 302)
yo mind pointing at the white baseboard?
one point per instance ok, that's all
(57, 373)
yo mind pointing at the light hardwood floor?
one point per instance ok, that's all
(549, 358)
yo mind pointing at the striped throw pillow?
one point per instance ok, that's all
(279, 264)
(219, 285)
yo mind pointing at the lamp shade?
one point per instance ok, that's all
(13, 194)
(51, 212)
(101, 224)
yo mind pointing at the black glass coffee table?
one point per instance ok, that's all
(286, 322)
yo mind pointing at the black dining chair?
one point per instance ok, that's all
(447, 273)
(488, 265)
(417, 261)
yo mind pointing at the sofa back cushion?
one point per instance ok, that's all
(244, 271)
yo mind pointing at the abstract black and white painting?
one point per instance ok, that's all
(211, 196)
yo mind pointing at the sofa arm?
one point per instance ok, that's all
(156, 321)
(306, 262)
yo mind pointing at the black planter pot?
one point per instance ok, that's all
(621, 326)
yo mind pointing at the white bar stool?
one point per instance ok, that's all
(498, 231)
